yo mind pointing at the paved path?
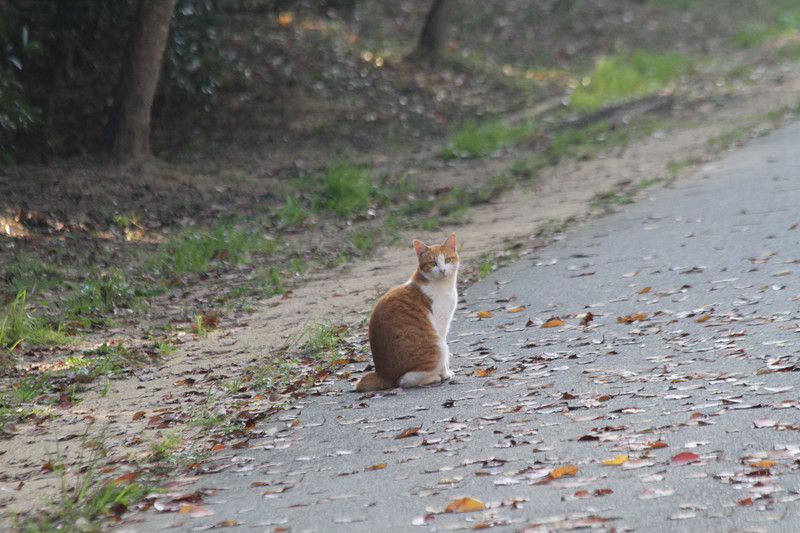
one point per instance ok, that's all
(684, 380)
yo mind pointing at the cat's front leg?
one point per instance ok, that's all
(446, 373)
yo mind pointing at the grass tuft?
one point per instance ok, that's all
(20, 324)
(618, 78)
(194, 250)
(347, 190)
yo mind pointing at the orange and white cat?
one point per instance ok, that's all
(408, 327)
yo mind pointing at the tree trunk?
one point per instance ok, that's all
(434, 36)
(129, 126)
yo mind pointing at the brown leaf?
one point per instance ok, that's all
(410, 432)
(210, 320)
(241, 444)
(644, 291)
(138, 415)
(127, 478)
(587, 318)
(703, 318)
(464, 505)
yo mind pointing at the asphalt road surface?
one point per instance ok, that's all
(641, 374)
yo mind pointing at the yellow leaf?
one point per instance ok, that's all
(484, 371)
(376, 467)
(762, 464)
(633, 317)
(464, 505)
(485, 314)
(644, 291)
(561, 471)
(553, 322)
(618, 460)
(703, 318)
(517, 309)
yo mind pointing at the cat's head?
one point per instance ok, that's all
(439, 261)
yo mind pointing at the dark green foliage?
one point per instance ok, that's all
(60, 63)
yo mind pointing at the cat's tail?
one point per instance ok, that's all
(372, 382)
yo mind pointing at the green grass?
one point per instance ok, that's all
(489, 263)
(320, 339)
(779, 21)
(475, 140)
(365, 239)
(19, 323)
(194, 250)
(347, 190)
(100, 295)
(606, 202)
(292, 214)
(619, 78)
(109, 360)
(87, 499)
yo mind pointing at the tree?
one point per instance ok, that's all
(129, 127)
(434, 36)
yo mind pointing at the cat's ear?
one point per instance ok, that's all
(450, 242)
(420, 247)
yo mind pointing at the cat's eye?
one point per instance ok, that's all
(448, 260)
(431, 264)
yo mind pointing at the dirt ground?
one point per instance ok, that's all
(135, 413)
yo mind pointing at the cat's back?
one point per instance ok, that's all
(406, 300)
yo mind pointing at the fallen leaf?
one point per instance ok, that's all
(745, 501)
(618, 460)
(684, 458)
(633, 317)
(561, 471)
(245, 443)
(553, 322)
(422, 520)
(464, 505)
(484, 371)
(195, 511)
(703, 318)
(410, 432)
(375, 467)
(644, 291)
(485, 314)
(127, 478)
(762, 464)
(138, 415)
(765, 423)
(651, 493)
(517, 309)
(587, 318)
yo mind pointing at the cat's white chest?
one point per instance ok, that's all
(444, 296)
